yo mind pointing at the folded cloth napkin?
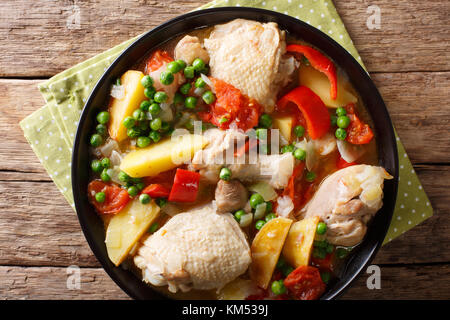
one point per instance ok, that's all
(50, 130)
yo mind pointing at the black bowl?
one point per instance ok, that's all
(92, 225)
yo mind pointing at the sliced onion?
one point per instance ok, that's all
(171, 209)
(285, 206)
(246, 220)
(208, 82)
(350, 152)
(260, 211)
(116, 158)
(264, 189)
(199, 91)
(107, 148)
(311, 157)
(117, 92)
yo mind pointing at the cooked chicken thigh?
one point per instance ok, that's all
(199, 249)
(347, 200)
(189, 48)
(248, 55)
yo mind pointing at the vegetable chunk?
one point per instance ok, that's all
(126, 227)
(284, 124)
(162, 156)
(122, 108)
(299, 242)
(266, 249)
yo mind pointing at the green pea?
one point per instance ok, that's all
(153, 227)
(286, 270)
(101, 129)
(280, 263)
(287, 148)
(144, 105)
(320, 244)
(265, 121)
(160, 97)
(321, 228)
(325, 277)
(147, 81)
(166, 78)
(182, 63)
(174, 67)
(178, 98)
(161, 202)
(343, 122)
(256, 199)
(300, 154)
(165, 126)
(341, 134)
(200, 83)
(299, 131)
(261, 133)
(149, 92)
(155, 124)
(106, 163)
(208, 97)
(238, 215)
(118, 82)
(333, 120)
(185, 88)
(154, 109)
(103, 117)
(139, 115)
(310, 176)
(190, 102)
(100, 197)
(133, 132)
(96, 166)
(143, 141)
(225, 174)
(189, 124)
(133, 191)
(259, 224)
(96, 140)
(105, 176)
(341, 111)
(123, 176)
(329, 248)
(270, 216)
(319, 253)
(223, 120)
(140, 186)
(269, 206)
(143, 126)
(128, 122)
(278, 287)
(341, 253)
(144, 198)
(189, 72)
(198, 64)
(155, 136)
(263, 148)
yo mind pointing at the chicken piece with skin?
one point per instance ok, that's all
(230, 196)
(249, 56)
(198, 249)
(189, 48)
(346, 201)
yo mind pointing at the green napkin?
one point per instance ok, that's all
(50, 130)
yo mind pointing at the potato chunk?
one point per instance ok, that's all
(126, 228)
(122, 108)
(299, 242)
(319, 83)
(266, 249)
(284, 124)
(162, 156)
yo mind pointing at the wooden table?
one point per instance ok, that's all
(408, 59)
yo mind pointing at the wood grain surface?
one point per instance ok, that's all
(39, 232)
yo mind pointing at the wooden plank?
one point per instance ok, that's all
(38, 227)
(420, 116)
(406, 282)
(412, 37)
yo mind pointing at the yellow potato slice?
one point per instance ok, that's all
(266, 249)
(299, 242)
(284, 124)
(319, 83)
(122, 108)
(162, 156)
(127, 227)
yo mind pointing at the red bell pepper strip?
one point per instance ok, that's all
(313, 109)
(156, 191)
(319, 62)
(116, 198)
(185, 186)
(341, 163)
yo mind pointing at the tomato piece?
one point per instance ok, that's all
(319, 62)
(358, 132)
(305, 283)
(313, 109)
(233, 105)
(185, 186)
(156, 191)
(341, 163)
(116, 198)
(157, 59)
(325, 264)
(293, 188)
